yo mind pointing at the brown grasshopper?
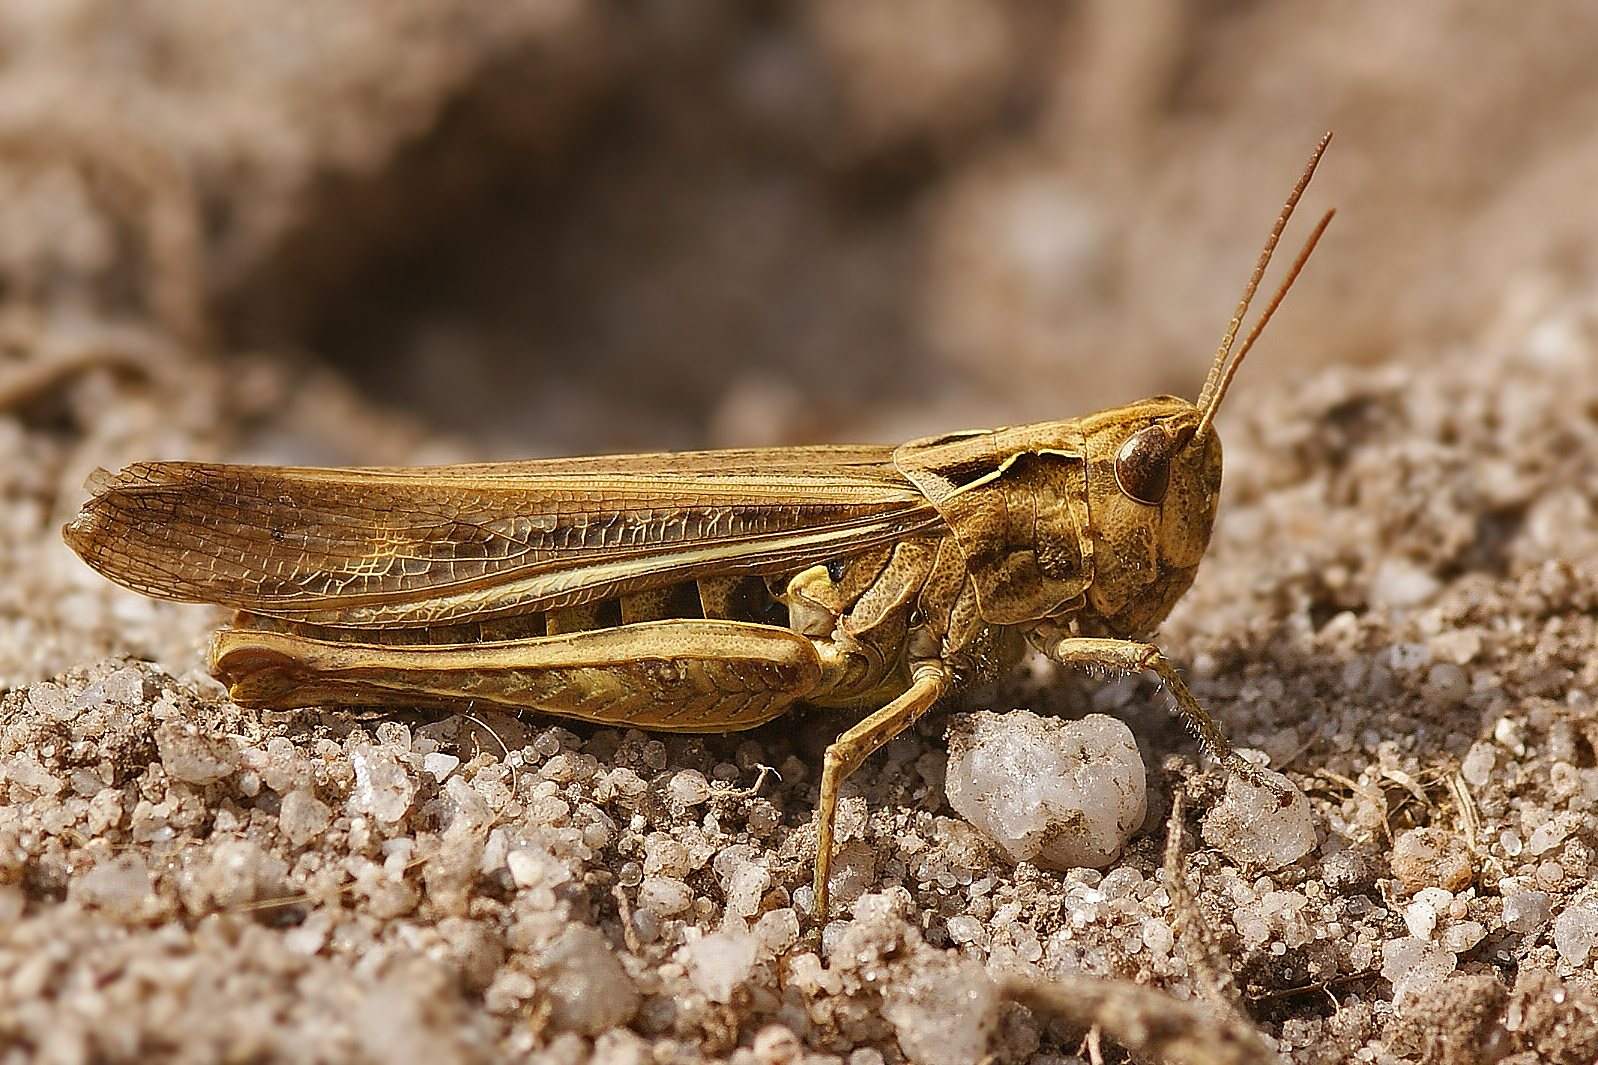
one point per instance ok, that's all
(700, 591)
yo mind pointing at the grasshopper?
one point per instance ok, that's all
(700, 591)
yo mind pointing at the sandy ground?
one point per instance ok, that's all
(419, 231)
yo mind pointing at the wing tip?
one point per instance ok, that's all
(99, 481)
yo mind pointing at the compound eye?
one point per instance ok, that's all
(1143, 465)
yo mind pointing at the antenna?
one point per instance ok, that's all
(1222, 371)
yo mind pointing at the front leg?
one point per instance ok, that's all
(929, 681)
(1129, 656)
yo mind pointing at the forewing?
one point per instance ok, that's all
(408, 546)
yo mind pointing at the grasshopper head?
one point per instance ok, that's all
(1153, 473)
(1101, 519)
(1153, 476)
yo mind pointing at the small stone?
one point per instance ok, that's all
(1548, 835)
(302, 817)
(548, 743)
(688, 789)
(664, 895)
(310, 935)
(964, 929)
(105, 811)
(621, 1046)
(1432, 857)
(558, 769)
(463, 805)
(510, 988)
(1526, 912)
(1400, 583)
(282, 766)
(122, 888)
(626, 785)
(776, 1044)
(533, 866)
(646, 924)
(1477, 768)
(1251, 826)
(229, 876)
(588, 989)
(129, 686)
(193, 756)
(1458, 646)
(1421, 915)
(49, 700)
(744, 885)
(1414, 966)
(1347, 871)
(28, 775)
(1462, 936)
(1158, 936)
(944, 1011)
(383, 789)
(477, 949)
(806, 973)
(777, 930)
(664, 856)
(439, 765)
(1060, 794)
(721, 962)
(1576, 933)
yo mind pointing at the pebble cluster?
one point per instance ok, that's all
(1397, 615)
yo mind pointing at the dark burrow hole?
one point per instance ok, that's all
(617, 263)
